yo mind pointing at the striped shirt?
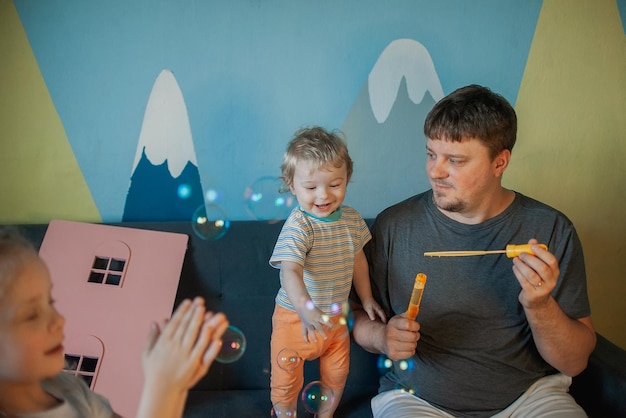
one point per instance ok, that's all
(325, 249)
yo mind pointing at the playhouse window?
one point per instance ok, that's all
(82, 366)
(107, 270)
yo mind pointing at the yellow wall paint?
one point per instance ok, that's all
(44, 175)
(571, 150)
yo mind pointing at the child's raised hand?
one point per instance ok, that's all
(180, 354)
(177, 356)
(372, 308)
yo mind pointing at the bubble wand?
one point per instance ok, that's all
(416, 296)
(511, 251)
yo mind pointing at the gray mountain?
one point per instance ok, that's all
(384, 128)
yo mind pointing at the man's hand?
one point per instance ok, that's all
(537, 274)
(401, 337)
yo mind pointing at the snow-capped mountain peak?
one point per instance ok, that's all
(165, 132)
(402, 58)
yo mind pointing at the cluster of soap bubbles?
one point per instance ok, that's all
(347, 317)
(385, 364)
(265, 199)
(316, 397)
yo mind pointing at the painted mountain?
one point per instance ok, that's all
(386, 124)
(165, 182)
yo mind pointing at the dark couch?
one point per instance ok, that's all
(234, 276)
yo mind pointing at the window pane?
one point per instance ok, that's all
(117, 265)
(89, 364)
(114, 279)
(96, 277)
(100, 263)
(71, 362)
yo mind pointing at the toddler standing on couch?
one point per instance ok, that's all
(320, 255)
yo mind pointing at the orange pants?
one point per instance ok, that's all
(333, 352)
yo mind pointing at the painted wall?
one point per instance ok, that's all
(572, 111)
(98, 101)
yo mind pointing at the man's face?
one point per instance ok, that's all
(463, 176)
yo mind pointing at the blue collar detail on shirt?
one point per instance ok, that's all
(335, 216)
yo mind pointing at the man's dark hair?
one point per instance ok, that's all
(473, 112)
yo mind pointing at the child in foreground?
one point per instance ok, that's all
(320, 256)
(32, 384)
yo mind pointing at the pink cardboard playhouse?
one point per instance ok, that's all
(111, 283)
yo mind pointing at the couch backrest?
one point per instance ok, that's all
(234, 276)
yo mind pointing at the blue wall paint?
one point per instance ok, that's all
(251, 72)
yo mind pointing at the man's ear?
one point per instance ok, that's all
(501, 162)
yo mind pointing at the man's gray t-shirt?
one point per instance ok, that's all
(476, 354)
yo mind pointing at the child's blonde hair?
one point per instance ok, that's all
(317, 146)
(15, 251)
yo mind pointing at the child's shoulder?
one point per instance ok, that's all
(64, 382)
(349, 212)
(76, 397)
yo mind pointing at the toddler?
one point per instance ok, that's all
(320, 256)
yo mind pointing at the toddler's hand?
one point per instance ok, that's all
(313, 321)
(372, 308)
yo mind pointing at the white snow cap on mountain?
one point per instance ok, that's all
(165, 132)
(403, 58)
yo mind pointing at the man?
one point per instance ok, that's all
(495, 336)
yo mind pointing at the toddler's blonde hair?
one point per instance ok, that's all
(316, 146)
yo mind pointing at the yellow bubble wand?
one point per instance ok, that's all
(511, 251)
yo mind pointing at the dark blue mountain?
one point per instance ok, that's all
(154, 195)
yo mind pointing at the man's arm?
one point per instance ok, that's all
(397, 339)
(563, 342)
(361, 283)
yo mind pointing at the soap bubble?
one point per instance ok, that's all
(347, 317)
(406, 364)
(212, 195)
(317, 397)
(210, 222)
(384, 364)
(188, 198)
(233, 345)
(268, 199)
(281, 409)
(184, 191)
(288, 359)
(403, 388)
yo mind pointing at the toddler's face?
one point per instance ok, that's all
(320, 191)
(31, 329)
